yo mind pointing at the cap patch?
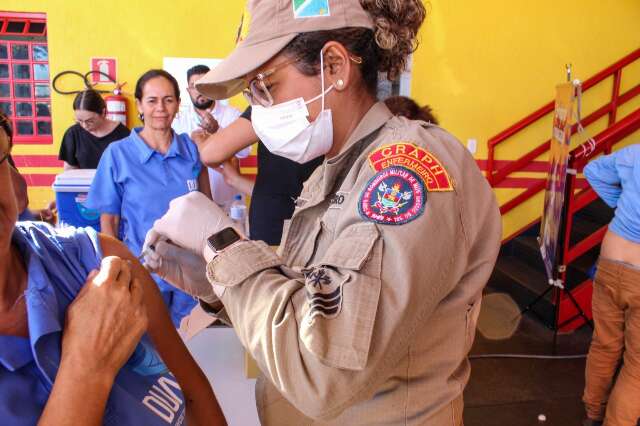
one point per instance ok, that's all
(414, 158)
(310, 8)
(393, 196)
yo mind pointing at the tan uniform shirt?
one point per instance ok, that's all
(367, 312)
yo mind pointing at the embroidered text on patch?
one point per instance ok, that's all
(411, 156)
(393, 196)
(310, 8)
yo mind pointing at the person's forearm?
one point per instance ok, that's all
(242, 184)
(76, 398)
(203, 182)
(202, 407)
(110, 224)
(223, 144)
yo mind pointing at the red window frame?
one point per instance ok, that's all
(32, 40)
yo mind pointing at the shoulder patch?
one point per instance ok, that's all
(394, 196)
(415, 158)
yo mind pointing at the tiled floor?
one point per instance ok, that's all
(515, 392)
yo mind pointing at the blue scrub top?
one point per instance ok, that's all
(138, 183)
(58, 262)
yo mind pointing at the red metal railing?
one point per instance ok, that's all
(496, 175)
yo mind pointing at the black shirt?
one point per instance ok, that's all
(278, 184)
(81, 149)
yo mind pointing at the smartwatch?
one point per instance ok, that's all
(223, 239)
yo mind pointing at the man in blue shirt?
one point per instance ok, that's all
(57, 266)
(616, 295)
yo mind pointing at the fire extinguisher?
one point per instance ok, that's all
(117, 106)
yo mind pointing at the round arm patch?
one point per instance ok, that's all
(394, 196)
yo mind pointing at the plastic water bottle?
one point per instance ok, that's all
(238, 214)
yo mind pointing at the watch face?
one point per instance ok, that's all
(222, 239)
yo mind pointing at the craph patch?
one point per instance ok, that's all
(310, 8)
(393, 196)
(414, 158)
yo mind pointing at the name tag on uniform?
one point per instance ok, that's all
(192, 185)
(336, 201)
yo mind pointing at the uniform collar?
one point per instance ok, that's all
(42, 309)
(145, 152)
(375, 118)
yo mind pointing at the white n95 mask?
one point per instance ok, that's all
(286, 131)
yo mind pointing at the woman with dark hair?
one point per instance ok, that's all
(84, 142)
(366, 313)
(138, 176)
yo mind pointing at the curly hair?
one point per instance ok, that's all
(385, 49)
(396, 27)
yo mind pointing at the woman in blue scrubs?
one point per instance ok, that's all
(139, 175)
(73, 348)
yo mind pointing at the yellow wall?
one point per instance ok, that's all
(138, 33)
(481, 65)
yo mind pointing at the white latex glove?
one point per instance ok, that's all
(182, 268)
(190, 220)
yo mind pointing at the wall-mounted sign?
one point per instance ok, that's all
(105, 66)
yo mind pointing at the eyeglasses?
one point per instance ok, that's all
(257, 92)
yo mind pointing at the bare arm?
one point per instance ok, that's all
(230, 170)
(201, 404)
(203, 182)
(110, 224)
(103, 325)
(83, 394)
(223, 144)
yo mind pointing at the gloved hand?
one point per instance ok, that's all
(190, 220)
(182, 268)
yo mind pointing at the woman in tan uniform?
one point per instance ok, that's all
(367, 311)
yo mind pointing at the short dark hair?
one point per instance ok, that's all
(144, 78)
(89, 100)
(197, 69)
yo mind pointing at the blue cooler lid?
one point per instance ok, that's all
(75, 180)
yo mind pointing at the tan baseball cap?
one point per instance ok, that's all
(267, 27)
